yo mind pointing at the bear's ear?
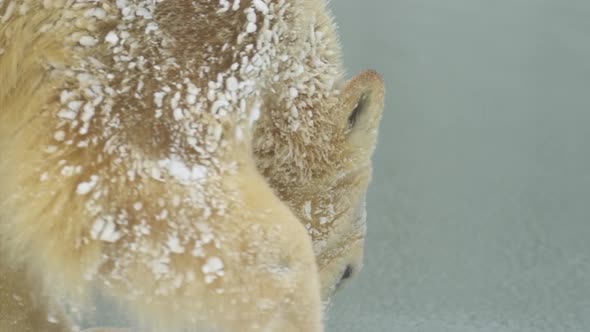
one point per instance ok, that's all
(362, 106)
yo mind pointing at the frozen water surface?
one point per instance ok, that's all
(479, 215)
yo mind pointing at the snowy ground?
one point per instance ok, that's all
(479, 215)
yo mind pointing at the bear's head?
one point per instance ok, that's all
(322, 171)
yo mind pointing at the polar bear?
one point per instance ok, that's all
(199, 163)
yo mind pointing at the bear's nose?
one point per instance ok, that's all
(347, 273)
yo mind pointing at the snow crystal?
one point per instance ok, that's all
(159, 98)
(293, 93)
(75, 105)
(213, 264)
(199, 172)
(67, 114)
(218, 104)
(52, 319)
(251, 16)
(59, 135)
(86, 187)
(181, 171)
(175, 100)
(191, 99)
(104, 229)
(198, 251)
(307, 210)
(174, 245)
(251, 27)
(254, 114)
(99, 13)
(224, 6)
(112, 38)
(231, 84)
(260, 6)
(88, 112)
(88, 41)
(178, 114)
(160, 266)
(151, 27)
(143, 12)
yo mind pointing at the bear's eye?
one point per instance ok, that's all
(356, 112)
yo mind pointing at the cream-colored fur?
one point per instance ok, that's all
(175, 156)
(325, 184)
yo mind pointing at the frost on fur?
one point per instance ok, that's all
(198, 163)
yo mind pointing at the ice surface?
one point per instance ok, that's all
(478, 215)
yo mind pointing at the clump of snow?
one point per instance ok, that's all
(182, 172)
(88, 41)
(254, 114)
(174, 245)
(213, 268)
(112, 38)
(104, 229)
(261, 6)
(59, 135)
(84, 188)
(213, 265)
(307, 210)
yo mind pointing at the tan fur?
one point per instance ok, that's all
(137, 167)
(327, 193)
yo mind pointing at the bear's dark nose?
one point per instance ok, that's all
(347, 273)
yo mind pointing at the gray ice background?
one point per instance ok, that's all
(479, 213)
